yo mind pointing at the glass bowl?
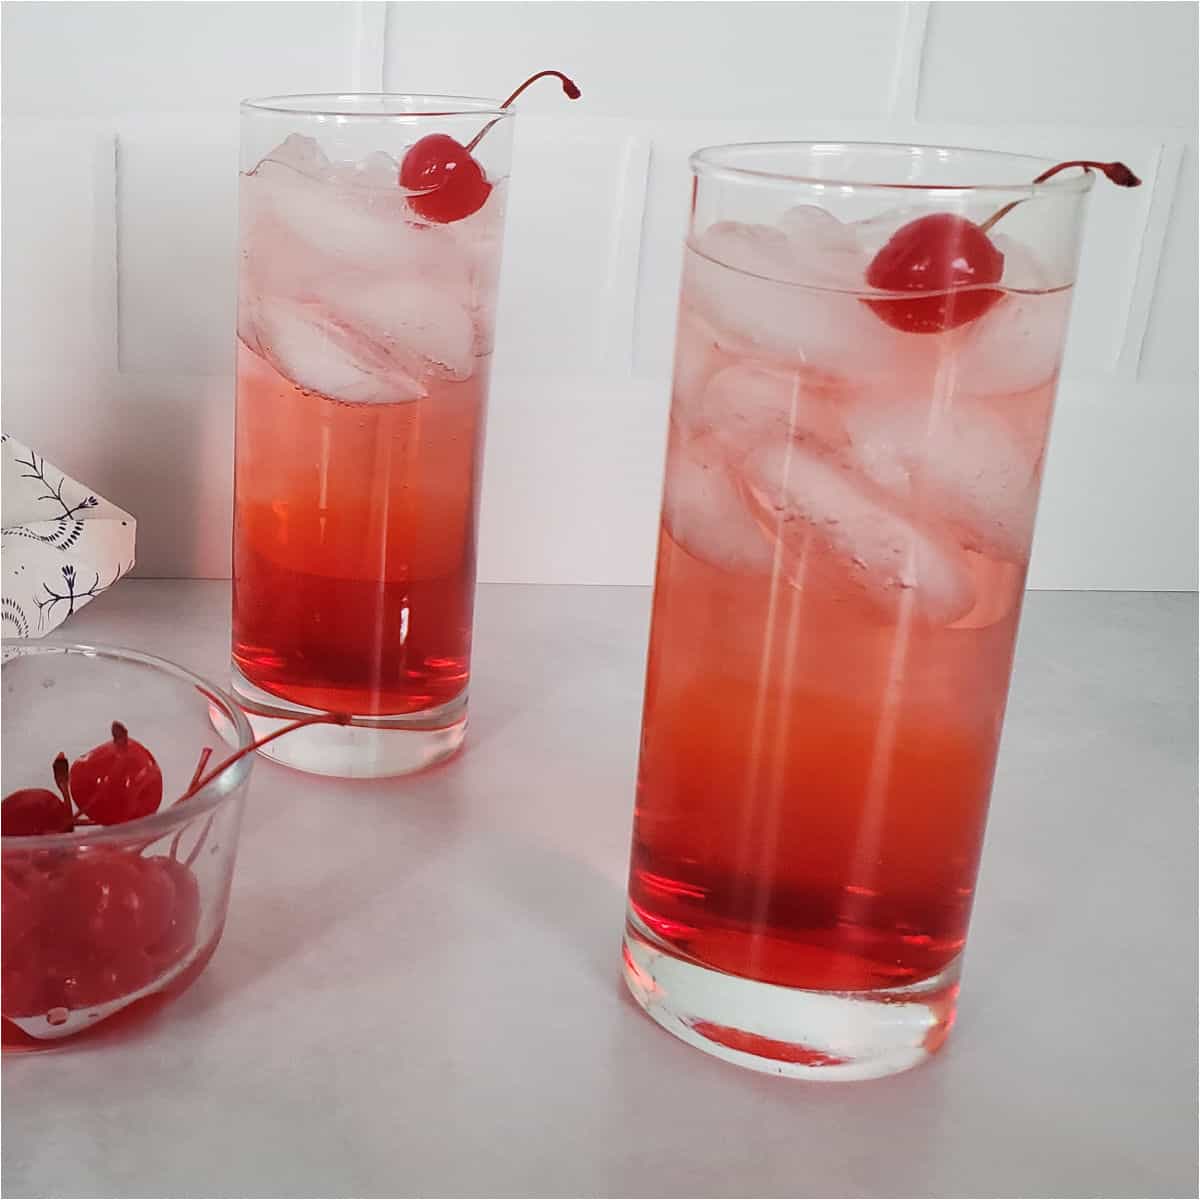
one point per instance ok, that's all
(116, 919)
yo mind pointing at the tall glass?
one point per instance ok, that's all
(851, 480)
(365, 324)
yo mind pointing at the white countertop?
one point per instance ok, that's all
(417, 992)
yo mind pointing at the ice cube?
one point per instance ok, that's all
(480, 233)
(350, 251)
(736, 279)
(377, 170)
(981, 476)
(826, 253)
(479, 239)
(313, 212)
(998, 588)
(1023, 270)
(963, 461)
(761, 250)
(320, 354)
(745, 403)
(698, 357)
(420, 326)
(868, 549)
(809, 246)
(873, 233)
(1016, 346)
(802, 222)
(704, 512)
(302, 154)
(247, 304)
(882, 437)
(329, 225)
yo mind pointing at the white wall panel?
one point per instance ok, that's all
(652, 59)
(148, 56)
(177, 196)
(119, 228)
(1096, 63)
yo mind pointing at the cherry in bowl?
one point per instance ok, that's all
(115, 880)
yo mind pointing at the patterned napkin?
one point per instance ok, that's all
(62, 544)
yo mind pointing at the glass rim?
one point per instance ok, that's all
(717, 162)
(343, 105)
(221, 787)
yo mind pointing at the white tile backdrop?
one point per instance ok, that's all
(119, 185)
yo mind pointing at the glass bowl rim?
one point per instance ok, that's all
(341, 105)
(225, 784)
(714, 162)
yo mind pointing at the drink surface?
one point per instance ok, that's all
(846, 524)
(364, 346)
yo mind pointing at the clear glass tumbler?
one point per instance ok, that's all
(366, 311)
(851, 481)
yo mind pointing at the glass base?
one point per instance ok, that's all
(789, 1031)
(371, 747)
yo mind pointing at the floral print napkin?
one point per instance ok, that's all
(62, 544)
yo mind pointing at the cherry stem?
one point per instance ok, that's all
(195, 853)
(199, 841)
(568, 86)
(62, 777)
(120, 734)
(1115, 172)
(319, 719)
(205, 755)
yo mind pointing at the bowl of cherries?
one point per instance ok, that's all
(124, 781)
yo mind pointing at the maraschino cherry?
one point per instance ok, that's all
(944, 254)
(449, 181)
(108, 900)
(29, 812)
(953, 259)
(117, 781)
(91, 925)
